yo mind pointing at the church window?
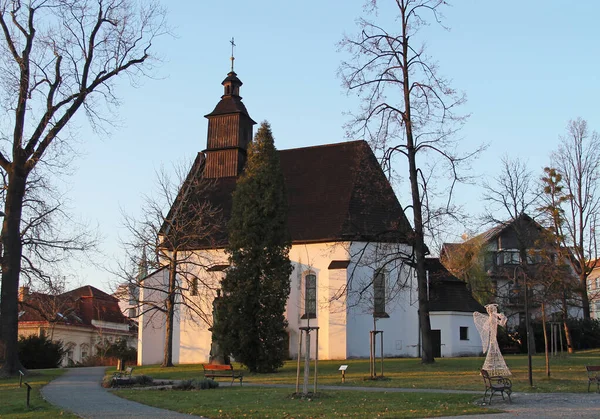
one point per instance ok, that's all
(464, 333)
(194, 287)
(310, 296)
(379, 294)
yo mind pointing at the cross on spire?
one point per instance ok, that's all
(232, 42)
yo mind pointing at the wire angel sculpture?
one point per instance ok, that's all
(487, 325)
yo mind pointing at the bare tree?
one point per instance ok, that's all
(175, 221)
(578, 162)
(512, 193)
(58, 56)
(51, 237)
(559, 281)
(407, 109)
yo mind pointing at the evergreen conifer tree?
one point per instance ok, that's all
(250, 322)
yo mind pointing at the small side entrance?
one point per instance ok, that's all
(436, 337)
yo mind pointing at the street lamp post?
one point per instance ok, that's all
(527, 323)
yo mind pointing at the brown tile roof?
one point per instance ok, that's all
(79, 306)
(447, 292)
(336, 192)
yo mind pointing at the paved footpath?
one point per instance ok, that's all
(79, 391)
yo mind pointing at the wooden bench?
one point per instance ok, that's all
(496, 384)
(225, 371)
(120, 378)
(593, 372)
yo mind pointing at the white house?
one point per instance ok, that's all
(350, 243)
(81, 319)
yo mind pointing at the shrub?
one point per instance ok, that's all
(203, 384)
(40, 352)
(142, 380)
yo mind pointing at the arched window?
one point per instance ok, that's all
(310, 296)
(194, 286)
(85, 351)
(379, 294)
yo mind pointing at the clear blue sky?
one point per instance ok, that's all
(526, 67)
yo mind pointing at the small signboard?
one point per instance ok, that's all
(343, 367)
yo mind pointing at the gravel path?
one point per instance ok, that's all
(79, 391)
(545, 405)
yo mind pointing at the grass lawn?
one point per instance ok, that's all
(253, 402)
(13, 398)
(567, 373)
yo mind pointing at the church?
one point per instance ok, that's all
(351, 248)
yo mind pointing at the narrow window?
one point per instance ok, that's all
(464, 333)
(194, 287)
(379, 294)
(310, 297)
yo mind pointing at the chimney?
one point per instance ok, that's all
(23, 293)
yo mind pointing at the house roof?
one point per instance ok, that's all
(524, 226)
(447, 292)
(335, 192)
(79, 307)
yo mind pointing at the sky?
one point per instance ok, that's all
(527, 68)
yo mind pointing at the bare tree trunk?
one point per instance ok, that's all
(11, 267)
(565, 316)
(545, 340)
(585, 301)
(419, 240)
(168, 355)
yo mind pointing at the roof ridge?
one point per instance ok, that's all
(326, 145)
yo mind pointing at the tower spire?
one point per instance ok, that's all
(232, 42)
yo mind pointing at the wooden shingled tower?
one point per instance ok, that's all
(229, 132)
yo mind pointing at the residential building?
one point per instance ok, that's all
(511, 256)
(81, 319)
(593, 289)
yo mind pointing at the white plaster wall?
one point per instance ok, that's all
(331, 313)
(151, 334)
(344, 322)
(194, 337)
(450, 322)
(78, 339)
(401, 329)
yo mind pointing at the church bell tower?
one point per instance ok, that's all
(229, 131)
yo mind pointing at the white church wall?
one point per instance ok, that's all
(344, 319)
(151, 334)
(400, 330)
(315, 259)
(195, 337)
(450, 323)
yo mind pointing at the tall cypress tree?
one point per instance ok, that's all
(250, 322)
